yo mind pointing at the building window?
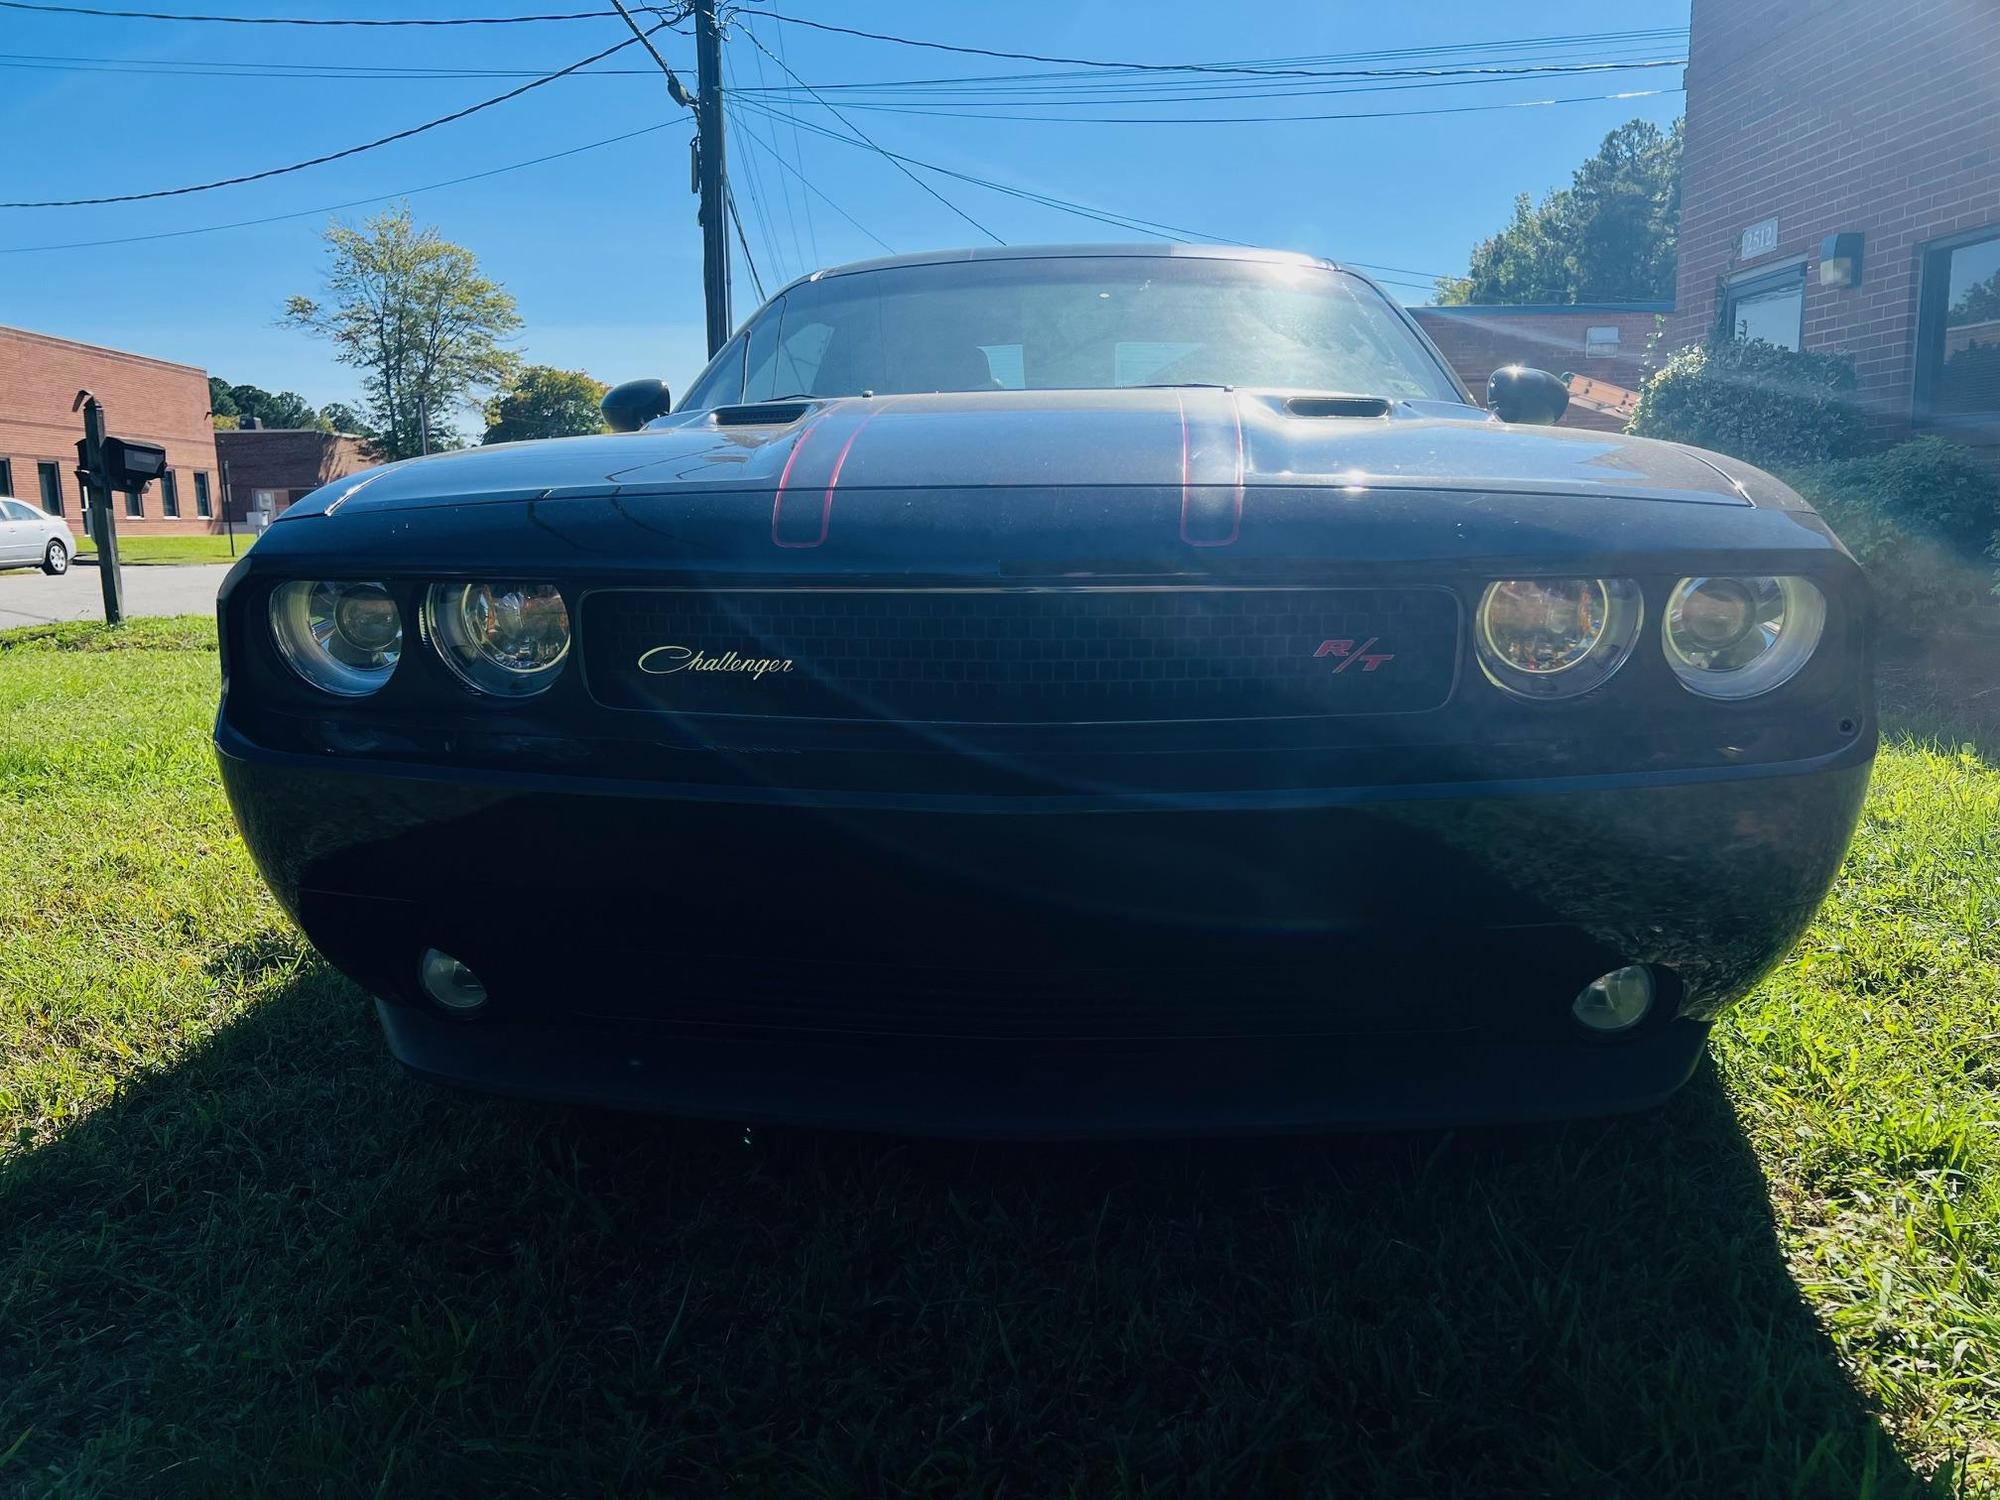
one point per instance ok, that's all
(170, 494)
(135, 504)
(1601, 342)
(1958, 331)
(50, 478)
(1770, 307)
(203, 506)
(6, 476)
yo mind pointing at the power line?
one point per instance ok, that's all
(675, 91)
(1187, 119)
(729, 194)
(992, 105)
(870, 141)
(1204, 91)
(853, 95)
(1179, 232)
(331, 208)
(157, 15)
(798, 157)
(1087, 62)
(805, 181)
(400, 135)
(753, 181)
(1102, 216)
(1085, 84)
(785, 188)
(1114, 87)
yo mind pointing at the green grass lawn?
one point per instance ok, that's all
(198, 548)
(241, 1253)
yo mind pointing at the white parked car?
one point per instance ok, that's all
(31, 538)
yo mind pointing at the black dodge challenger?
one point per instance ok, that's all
(1069, 691)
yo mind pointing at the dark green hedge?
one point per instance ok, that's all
(1773, 407)
(1923, 518)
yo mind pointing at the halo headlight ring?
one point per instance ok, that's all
(1550, 638)
(503, 639)
(1786, 617)
(342, 637)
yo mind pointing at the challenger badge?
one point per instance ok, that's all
(664, 659)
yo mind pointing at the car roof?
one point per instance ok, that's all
(1073, 252)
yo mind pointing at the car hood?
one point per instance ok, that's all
(1037, 439)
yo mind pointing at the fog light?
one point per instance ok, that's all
(450, 982)
(1617, 1001)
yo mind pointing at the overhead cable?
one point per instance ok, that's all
(300, 166)
(869, 140)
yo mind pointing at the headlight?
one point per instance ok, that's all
(343, 638)
(1555, 637)
(1738, 637)
(509, 639)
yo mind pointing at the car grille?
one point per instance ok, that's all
(1023, 656)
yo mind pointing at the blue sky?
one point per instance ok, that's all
(601, 248)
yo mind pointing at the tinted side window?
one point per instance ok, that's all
(721, 384)
(759, 364)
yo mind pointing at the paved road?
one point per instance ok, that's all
(31, 597)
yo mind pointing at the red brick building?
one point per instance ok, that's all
(152, 400)
(1880, 124)
(267, 468)
(1606, 341)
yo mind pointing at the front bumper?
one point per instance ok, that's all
(1055, 965)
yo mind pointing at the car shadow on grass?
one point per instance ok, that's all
(281, 1263)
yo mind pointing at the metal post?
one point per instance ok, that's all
(102, 528)
(709, 168)
(228, 520)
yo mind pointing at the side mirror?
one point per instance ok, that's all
(1520, 394)
(630, 406)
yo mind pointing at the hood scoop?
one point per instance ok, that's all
(1338, 406)
(761, 414)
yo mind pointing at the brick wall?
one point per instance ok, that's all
(1476, 341)
(151, 400)
(288, 461)
(1838, 115)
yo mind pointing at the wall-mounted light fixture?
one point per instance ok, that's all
(1840, 259)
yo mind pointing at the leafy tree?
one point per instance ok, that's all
(340, 417)
(412, 312)
(1978, 303)
(230, 404)
(544, 402)
(1607, 237)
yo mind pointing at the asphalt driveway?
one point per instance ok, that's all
(31, 597)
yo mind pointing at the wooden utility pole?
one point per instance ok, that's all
(710, 166)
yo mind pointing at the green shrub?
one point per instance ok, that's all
(1778, 408)
(1920, 517)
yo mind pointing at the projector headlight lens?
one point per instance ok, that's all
(508, 639)
(343, 638)
(1739, 637)
(1555, 637)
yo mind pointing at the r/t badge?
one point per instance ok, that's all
(1348, 653)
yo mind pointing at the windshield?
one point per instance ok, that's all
(1086, 322)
